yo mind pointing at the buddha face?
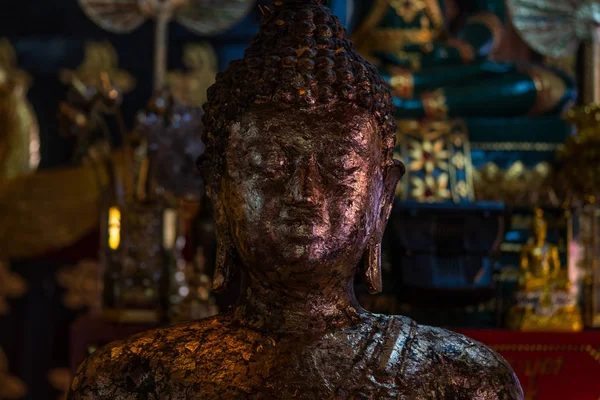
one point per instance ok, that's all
(303, 192)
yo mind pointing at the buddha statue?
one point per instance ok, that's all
(436, 74)
(298, 165)
(545, 300)
(540, 262)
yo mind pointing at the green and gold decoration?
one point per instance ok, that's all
(437, 159)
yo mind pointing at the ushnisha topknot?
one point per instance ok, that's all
(301, 57)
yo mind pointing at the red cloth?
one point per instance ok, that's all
(550, 366)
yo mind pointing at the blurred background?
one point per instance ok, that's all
(105, 230)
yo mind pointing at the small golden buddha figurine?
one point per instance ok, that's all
(299, 168)
(544, 298)
(540, 262)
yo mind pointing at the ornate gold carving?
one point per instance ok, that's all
(369, 37)
(403, 82)
(11, 387)
(428, 155)
(19, 131)
(493, 23)
(189, 88)
(84, 285)
(581, 348)
(11, 285)
(430, 189)
(100, 64)
(408, 9)
(578, 174)
(516, 185)
(517, 146)
(437, 157)
(434, 105)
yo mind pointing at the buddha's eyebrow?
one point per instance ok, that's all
(356, 143)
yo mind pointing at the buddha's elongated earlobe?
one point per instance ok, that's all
(225, 263)
(224, 266)
(371, 268)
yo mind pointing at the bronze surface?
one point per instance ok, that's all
(300, 172)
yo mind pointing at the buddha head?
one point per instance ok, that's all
(298, 163)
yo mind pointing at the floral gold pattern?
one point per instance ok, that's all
(11, 387)
(83, 284)
(430, 189)
(428, 155)
(11, 285)
(437, 156)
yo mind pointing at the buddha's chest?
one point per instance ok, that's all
(265, 369)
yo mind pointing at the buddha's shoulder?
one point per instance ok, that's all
(471, 369)
(124, 369)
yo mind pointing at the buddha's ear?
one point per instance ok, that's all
(371, 264)
(391, 176)
(225, 259)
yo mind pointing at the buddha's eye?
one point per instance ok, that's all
(272, 162)
(343, 167)
(276, 160)
(256, 160)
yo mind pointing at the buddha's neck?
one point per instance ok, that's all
(281, 310)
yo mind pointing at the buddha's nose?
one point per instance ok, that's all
(305, 186)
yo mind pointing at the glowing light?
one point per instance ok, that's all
(114, 228)
(169, 228)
